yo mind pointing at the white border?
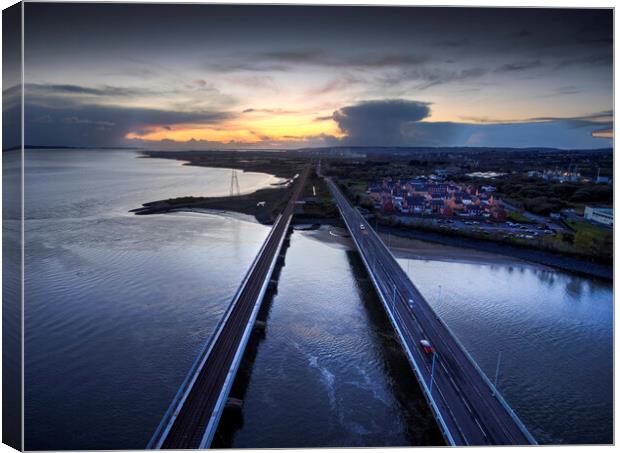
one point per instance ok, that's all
(485, 3)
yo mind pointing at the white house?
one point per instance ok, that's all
(599, 215)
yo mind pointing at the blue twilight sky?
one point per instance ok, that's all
(208, 76)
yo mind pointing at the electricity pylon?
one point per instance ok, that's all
(234, 184)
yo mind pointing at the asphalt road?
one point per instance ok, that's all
(185, 428)
(468, 409)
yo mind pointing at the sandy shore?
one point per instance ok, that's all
(214, 212)
(416, 249)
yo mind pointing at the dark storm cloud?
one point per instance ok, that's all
(75, 124)
(376, 122)
(400, 122)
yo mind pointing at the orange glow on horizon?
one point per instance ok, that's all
(252, 130)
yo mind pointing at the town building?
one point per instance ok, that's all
(421, 196)
(604, 216)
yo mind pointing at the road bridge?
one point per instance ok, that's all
(467, 406)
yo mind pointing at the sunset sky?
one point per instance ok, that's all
(196, 76)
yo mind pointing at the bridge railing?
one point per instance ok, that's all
(483, 375)
(392, 316)
(169, 417)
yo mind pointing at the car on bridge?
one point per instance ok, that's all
(426, 347)
(362, 227)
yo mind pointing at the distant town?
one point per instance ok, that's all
(539, 199)
(432, 195)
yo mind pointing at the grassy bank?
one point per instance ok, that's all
(264, 204)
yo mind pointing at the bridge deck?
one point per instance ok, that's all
(194, 414)
(467, 406)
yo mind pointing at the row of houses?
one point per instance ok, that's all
(424, 196)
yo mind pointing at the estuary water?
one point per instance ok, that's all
(328, 372)
(551, 332)
(117, 307)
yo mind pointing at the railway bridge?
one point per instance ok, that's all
(193, 416)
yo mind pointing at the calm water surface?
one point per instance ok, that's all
(554, 332)
(324, 339)
(118, 305)
(329, 372)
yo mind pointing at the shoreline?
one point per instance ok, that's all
(415, 249)
(564, 263)
(410, 244)
(272, 199)
(262, 204)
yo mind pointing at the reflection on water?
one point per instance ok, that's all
(554, 331)
(117, 306)
(328, 371)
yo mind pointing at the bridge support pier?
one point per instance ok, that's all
(260, 326)
(234, 403)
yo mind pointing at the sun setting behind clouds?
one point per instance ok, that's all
(277, 76)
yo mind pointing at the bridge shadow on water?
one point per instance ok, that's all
(421, 427)
(232, 417)
(422, 430)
